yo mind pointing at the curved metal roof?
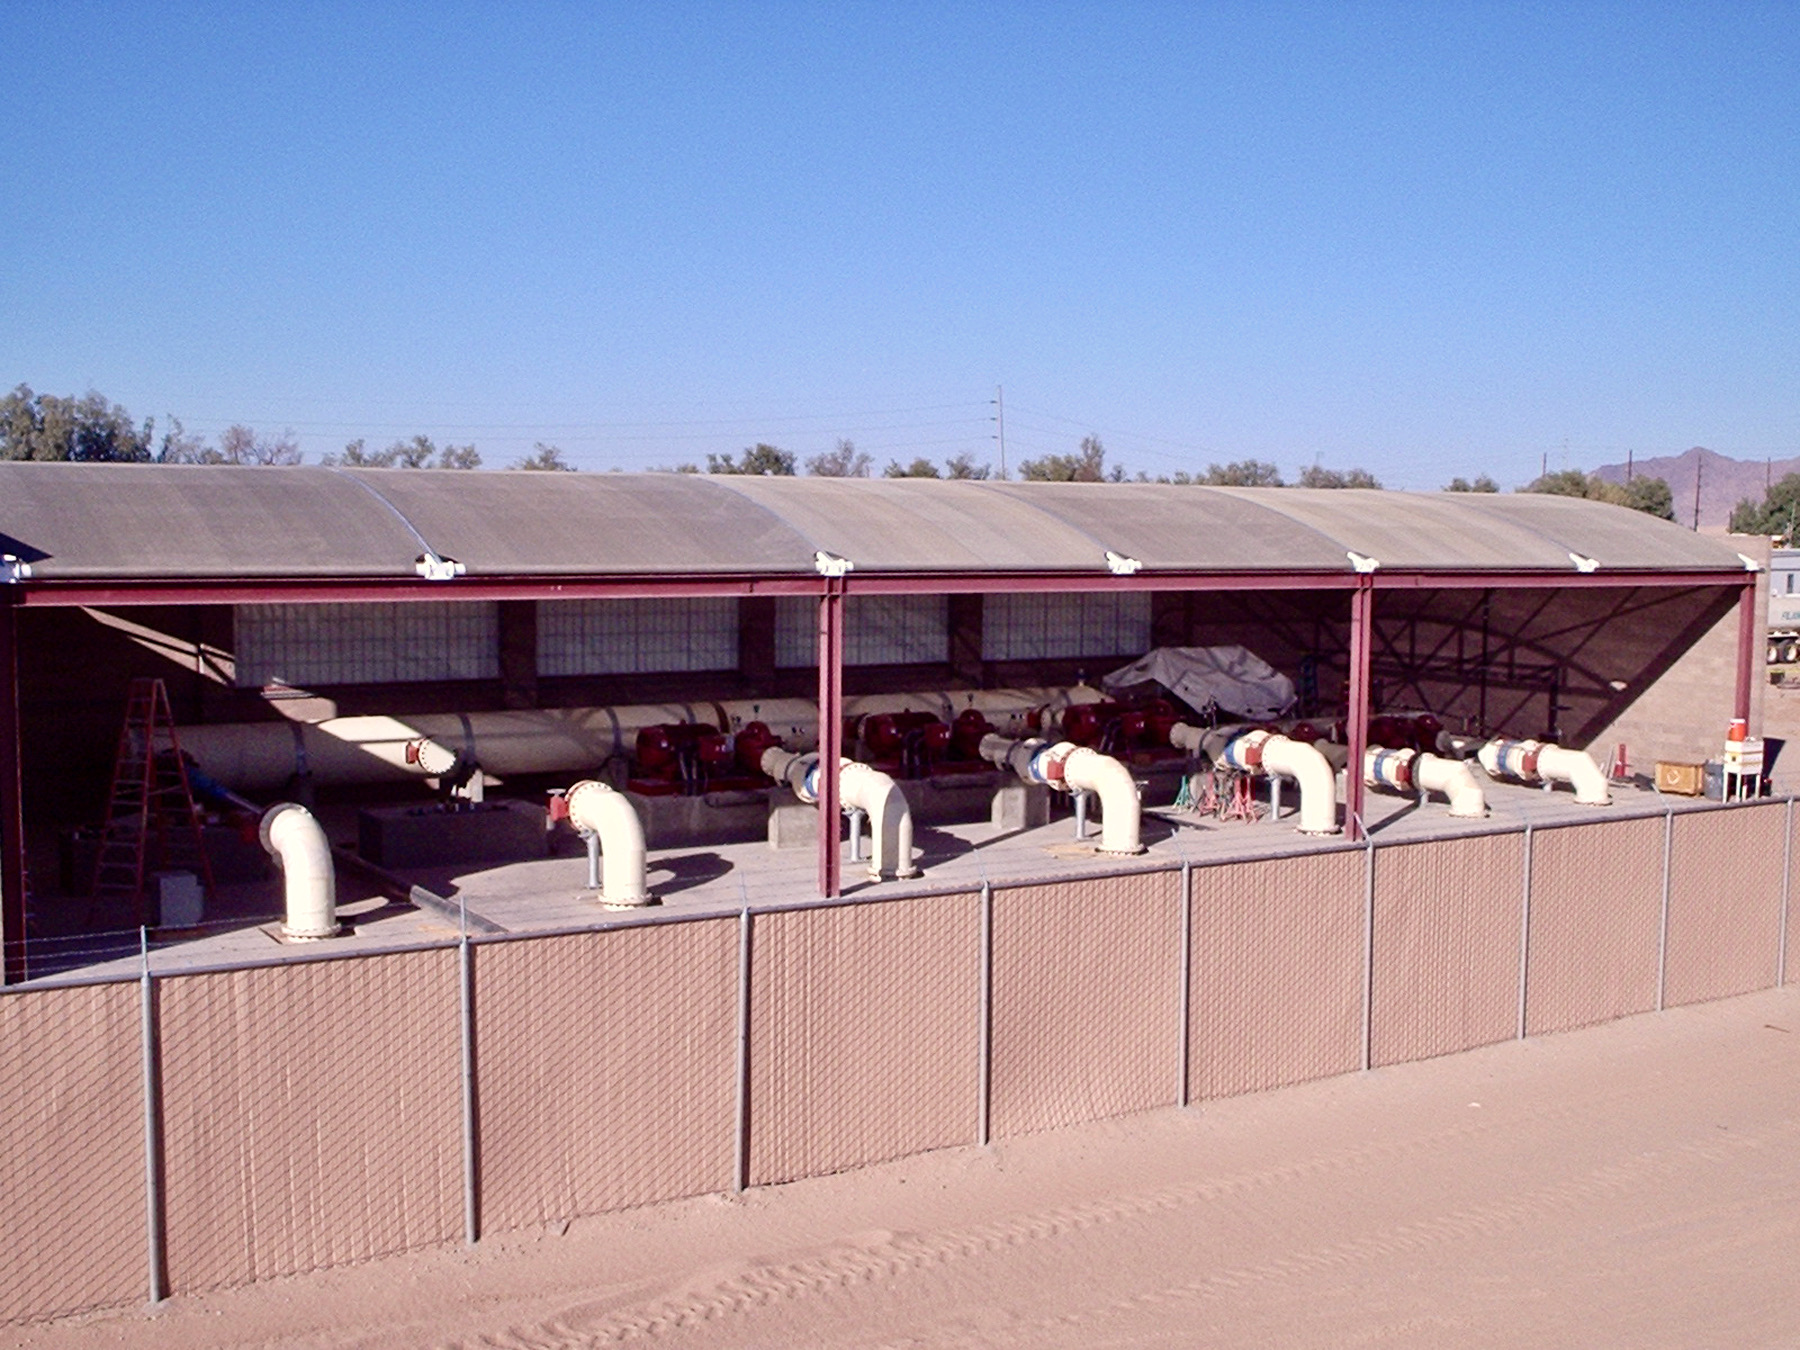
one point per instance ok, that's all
(155, 522)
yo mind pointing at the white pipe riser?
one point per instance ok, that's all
(1085, 770)
(295, 840)
(1312, 771)
(597, 809)
(1456, 780)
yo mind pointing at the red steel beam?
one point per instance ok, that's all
(831, 734)
(304, 590)
(1356, 724)
(1751, 636)
(1559, 581)
(12, 804)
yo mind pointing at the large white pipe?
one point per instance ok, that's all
(1456, 780)
(890, 818)
(1068, 767)
(1318, 784)
(1531, 761)
(297, 843)
(1405, 770)
(860, 788)
(597, 809)
(1266, 752)
(262, 756)
(1090, 771)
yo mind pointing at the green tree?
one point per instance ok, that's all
(759, 460)
(919, 468)
(1087, 465)
(421, 452)
(1240, 473)
(89, 428)
(844, 461)
(1482, 483)
(1775, 515)
(964, 466)
(1314, 476)
(547, 457)
(1649, 495)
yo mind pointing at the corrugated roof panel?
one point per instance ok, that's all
(524, 524)
(1187, 528)
(121, 521)
(127, 522)
(920, 524)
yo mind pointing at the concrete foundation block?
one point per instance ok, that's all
(425, 836)
(793, 825)
(1020, 806)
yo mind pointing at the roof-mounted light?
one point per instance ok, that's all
(13, 569)
(830, 565)
(1121, 566)
(1583, 564)
(1750, 564)
(434, 568)
(1362, 564)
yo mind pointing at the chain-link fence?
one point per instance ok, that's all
(193, 1129)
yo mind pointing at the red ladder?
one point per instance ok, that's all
(150, 814)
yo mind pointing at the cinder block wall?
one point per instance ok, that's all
(1684, 716)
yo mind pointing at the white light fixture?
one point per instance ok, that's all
(434, 568)
(1583, 564)
(1362, 564)
(830, 565)
(1121, 566)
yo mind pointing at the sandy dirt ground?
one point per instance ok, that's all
(1636, 1184)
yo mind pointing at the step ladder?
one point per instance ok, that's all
(151, 821)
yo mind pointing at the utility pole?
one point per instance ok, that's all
(1699, 463)
(1630, 464)
(1000, 422)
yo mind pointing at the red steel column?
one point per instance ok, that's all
(1750, 637)
(831, 732)
(1356, 725)
(12, 807)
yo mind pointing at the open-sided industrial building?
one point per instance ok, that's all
(249, 1111)
(287, 596)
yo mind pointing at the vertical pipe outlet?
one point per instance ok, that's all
(860, 788)
(596, 809)
(1266, 752)
(1533, 761)
(293, 838)
(1068, 767)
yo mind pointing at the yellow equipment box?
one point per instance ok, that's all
(1683, 780)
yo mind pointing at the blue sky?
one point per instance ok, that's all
(1424, 239)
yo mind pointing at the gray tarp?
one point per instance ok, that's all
(1234, 679)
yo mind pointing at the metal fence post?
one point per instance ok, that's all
(984, 1062)
(1182, 1085)
(466, 1008)
(1525, 934)
(153, 1200)
(1662, 939)
(1368, 1007)
(1787, 873)
(740, 1176)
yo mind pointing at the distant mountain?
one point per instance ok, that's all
(1723, 481)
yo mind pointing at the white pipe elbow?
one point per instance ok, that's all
(1312, 771)
(890, 818)
(1185, 737)
(1087, 770)
(1578, 770)
(599, 810)
(1453, 778)
(294, 839)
